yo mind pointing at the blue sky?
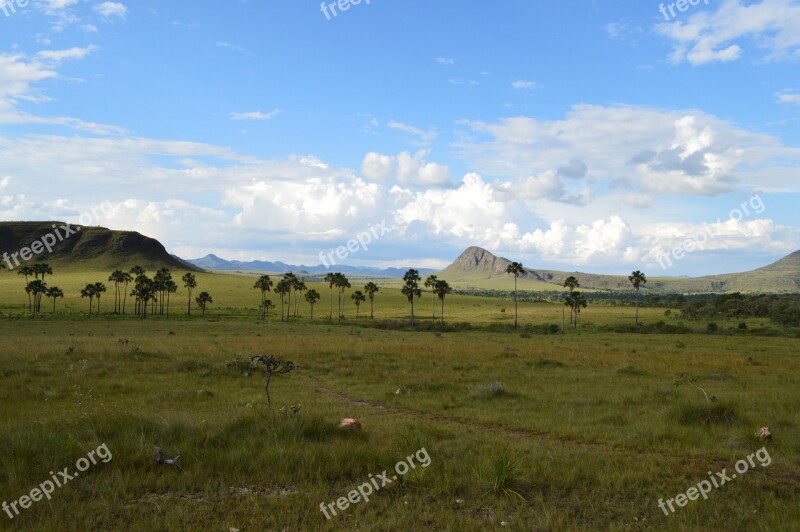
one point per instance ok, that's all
(585, 135)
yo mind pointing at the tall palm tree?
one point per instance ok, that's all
(637, 279)
(312, 296)
(442, 288)
(330, 278)
(342, 283)
(54, 292)
(189, 283)
(291, 283)
(299, 287)
(575, 301)
(126, 279)
(99, 288)
(41, 268)
(572, 283)
(358, 297)
(89, 291)
(36, 288)
(204, 299)
(430, 283)
(282, 288)
(371, 289)
(517, 269)
(170, 288)
(117, 277)
(264, 284)
(411, 289)
(27, 271)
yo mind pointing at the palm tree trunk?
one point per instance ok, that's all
(515, 303)
(637, 307)
(371, 308)
(442, 311)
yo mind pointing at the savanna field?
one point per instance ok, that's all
(525, 430)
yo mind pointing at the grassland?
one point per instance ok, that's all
(525, 431)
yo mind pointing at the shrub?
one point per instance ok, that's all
(707, 414)
(712, 327)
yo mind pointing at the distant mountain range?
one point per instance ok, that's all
(213, 262)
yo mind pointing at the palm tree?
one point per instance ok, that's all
(99, 288)
(54, 292)
(203, 299)
(89, 292)
(442, 288)
(117, 277)
(330, 278)
(358, 297)
(41, 268)
(430, 282)
(27, 271)
(572, 283)
(637, 279)
(291, 284)
(312, 296)
(144, 291)
(126, 278)
(36, 288)
(342, 283)
(517, 269)
(264, 283)
(575, 301)
(190, 283)
(299, 287)
(170, 288)
(282, 288)
(371, 289)
(411, 289)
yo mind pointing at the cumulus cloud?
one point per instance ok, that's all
(409, 169)
(684, 152)
(110, 10)
(706, 37)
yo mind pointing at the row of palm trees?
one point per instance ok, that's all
(574, 300)
(154, 294)
(290, 286)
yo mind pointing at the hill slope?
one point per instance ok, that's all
(94, 248)
(478, 268)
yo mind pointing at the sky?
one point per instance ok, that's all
(585, 135)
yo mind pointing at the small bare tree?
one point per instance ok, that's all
(683, 378)
(272, 366)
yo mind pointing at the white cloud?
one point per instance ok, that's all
(425, 137)
(683, 152)
(446, 61)
(255, 115)
(71, 53)
(789, 97)
(770, 25)
(60, 4)
(408, 169)
(522, 85)
(111, 9)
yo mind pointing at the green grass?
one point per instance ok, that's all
(585, 430)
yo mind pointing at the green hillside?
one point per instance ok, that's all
(90, 248)
(478, 268)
